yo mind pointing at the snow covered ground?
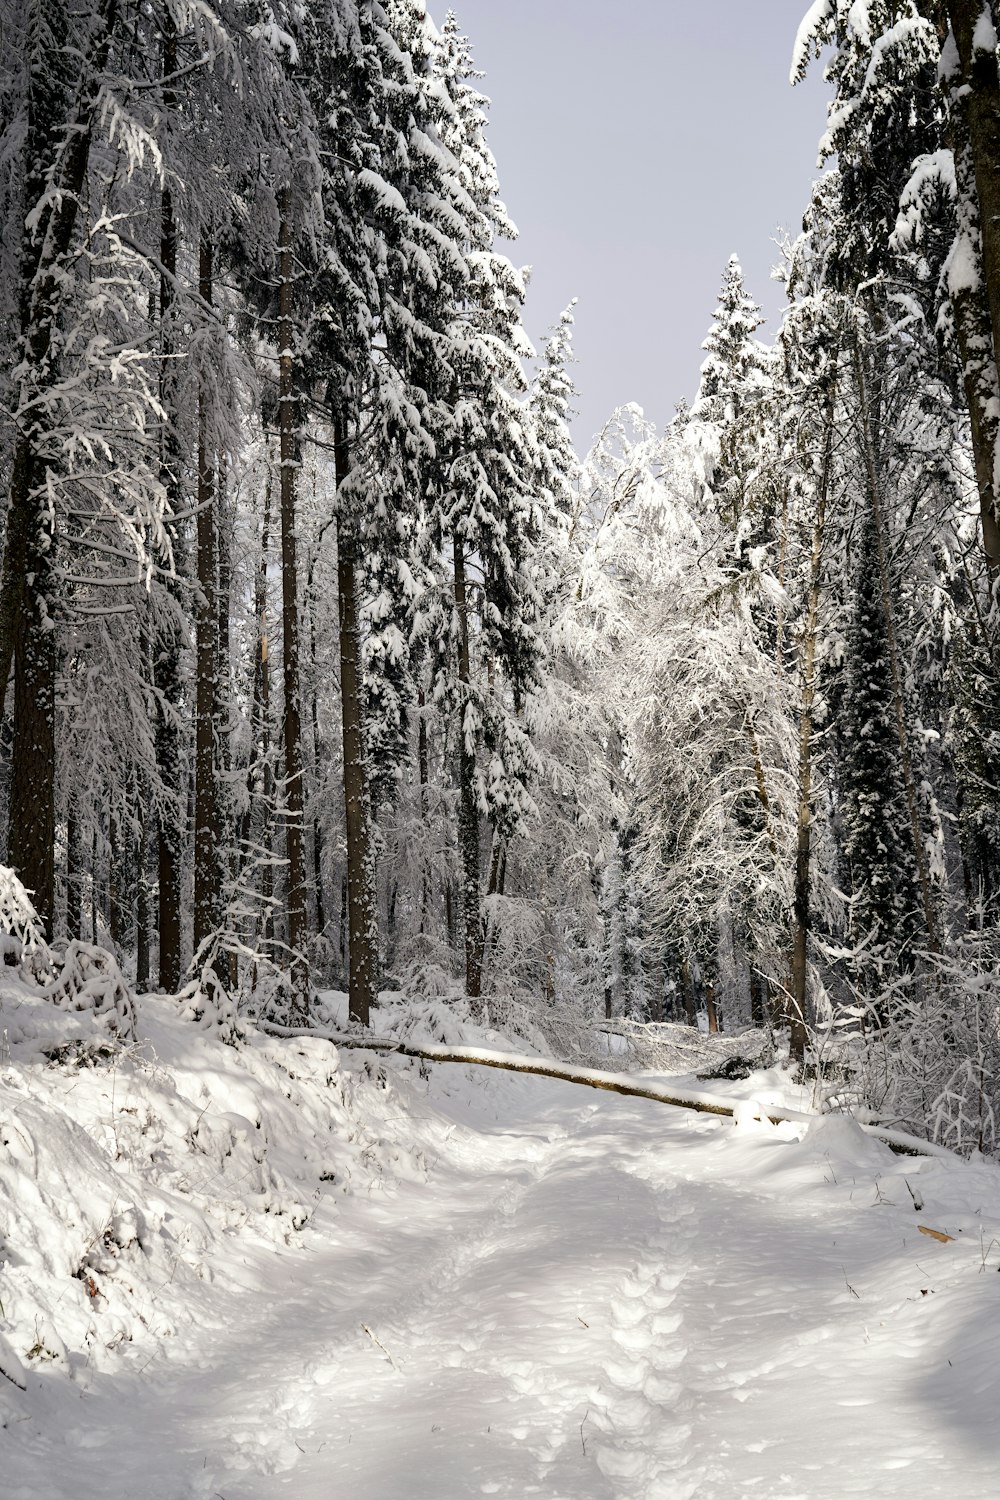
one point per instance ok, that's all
(251, 1272)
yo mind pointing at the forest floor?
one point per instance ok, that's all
(504, 1286)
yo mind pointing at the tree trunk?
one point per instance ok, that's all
(142, 895)
(758, 998)
(713, 1015)
(594, 1078)
(802, 895)
(227, 854)
(491, 928)
(687, 991)
(317, 750)
(206, 795)
(657, 1003)
(74, 871)
(468, 809)
(95, 894)
(978, 98)
(974, 331)
(779, 634)
(171, 818)
(32, 829)
(450, 919)
(292, 726)
(362, 906)
(118, 883)
(258, 821)
(423, 773)
(57, 141)
(895, 665)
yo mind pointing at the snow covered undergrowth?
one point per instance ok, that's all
(260, 1270)
(125, 1168)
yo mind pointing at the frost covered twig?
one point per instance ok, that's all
(379, 1345)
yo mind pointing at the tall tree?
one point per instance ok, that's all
(288, 423)
(207, 871)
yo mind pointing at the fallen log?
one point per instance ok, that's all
(615, 1083)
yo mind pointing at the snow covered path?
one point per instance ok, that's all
(586, 1297)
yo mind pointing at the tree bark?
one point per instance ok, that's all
(206, 795)
(802, 894)
(450, 918)
(142, 894)
(95, 893)
(758, 998)
(292, 719)
(118, 883)
(491, 928)
(74, 871)
(317, 756)
(32, 829)
(57, 140)
(227, 851)
(973, 328)
(261, 788)
(895, 664)
(361, 903)
(980, 103)
(468, 809)
(423, 775)
(170, 812)
(687, 991)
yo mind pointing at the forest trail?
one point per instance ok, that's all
(585, 1298)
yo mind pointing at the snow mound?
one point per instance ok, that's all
(840, 1140)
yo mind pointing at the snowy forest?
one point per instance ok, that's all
(332, 664)
(332, 669)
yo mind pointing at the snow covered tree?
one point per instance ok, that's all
(551, 405)
(482, 512)
(76, 337)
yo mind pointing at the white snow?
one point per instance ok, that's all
(819, 12)
(962, 267)
(505, 1286)
(911, 29)
(949, 63)
(984, 37)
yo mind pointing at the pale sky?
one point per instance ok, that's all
(639, 144)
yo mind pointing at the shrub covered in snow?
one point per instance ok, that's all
(207, 1003)
(90, 980)
(20, 931)
(925, 1055)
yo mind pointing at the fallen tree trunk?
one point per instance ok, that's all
(615, 1083)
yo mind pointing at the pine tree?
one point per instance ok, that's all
(734, 383)
(485, 508)
(551, 404)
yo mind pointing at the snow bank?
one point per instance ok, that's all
(125, 1168)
